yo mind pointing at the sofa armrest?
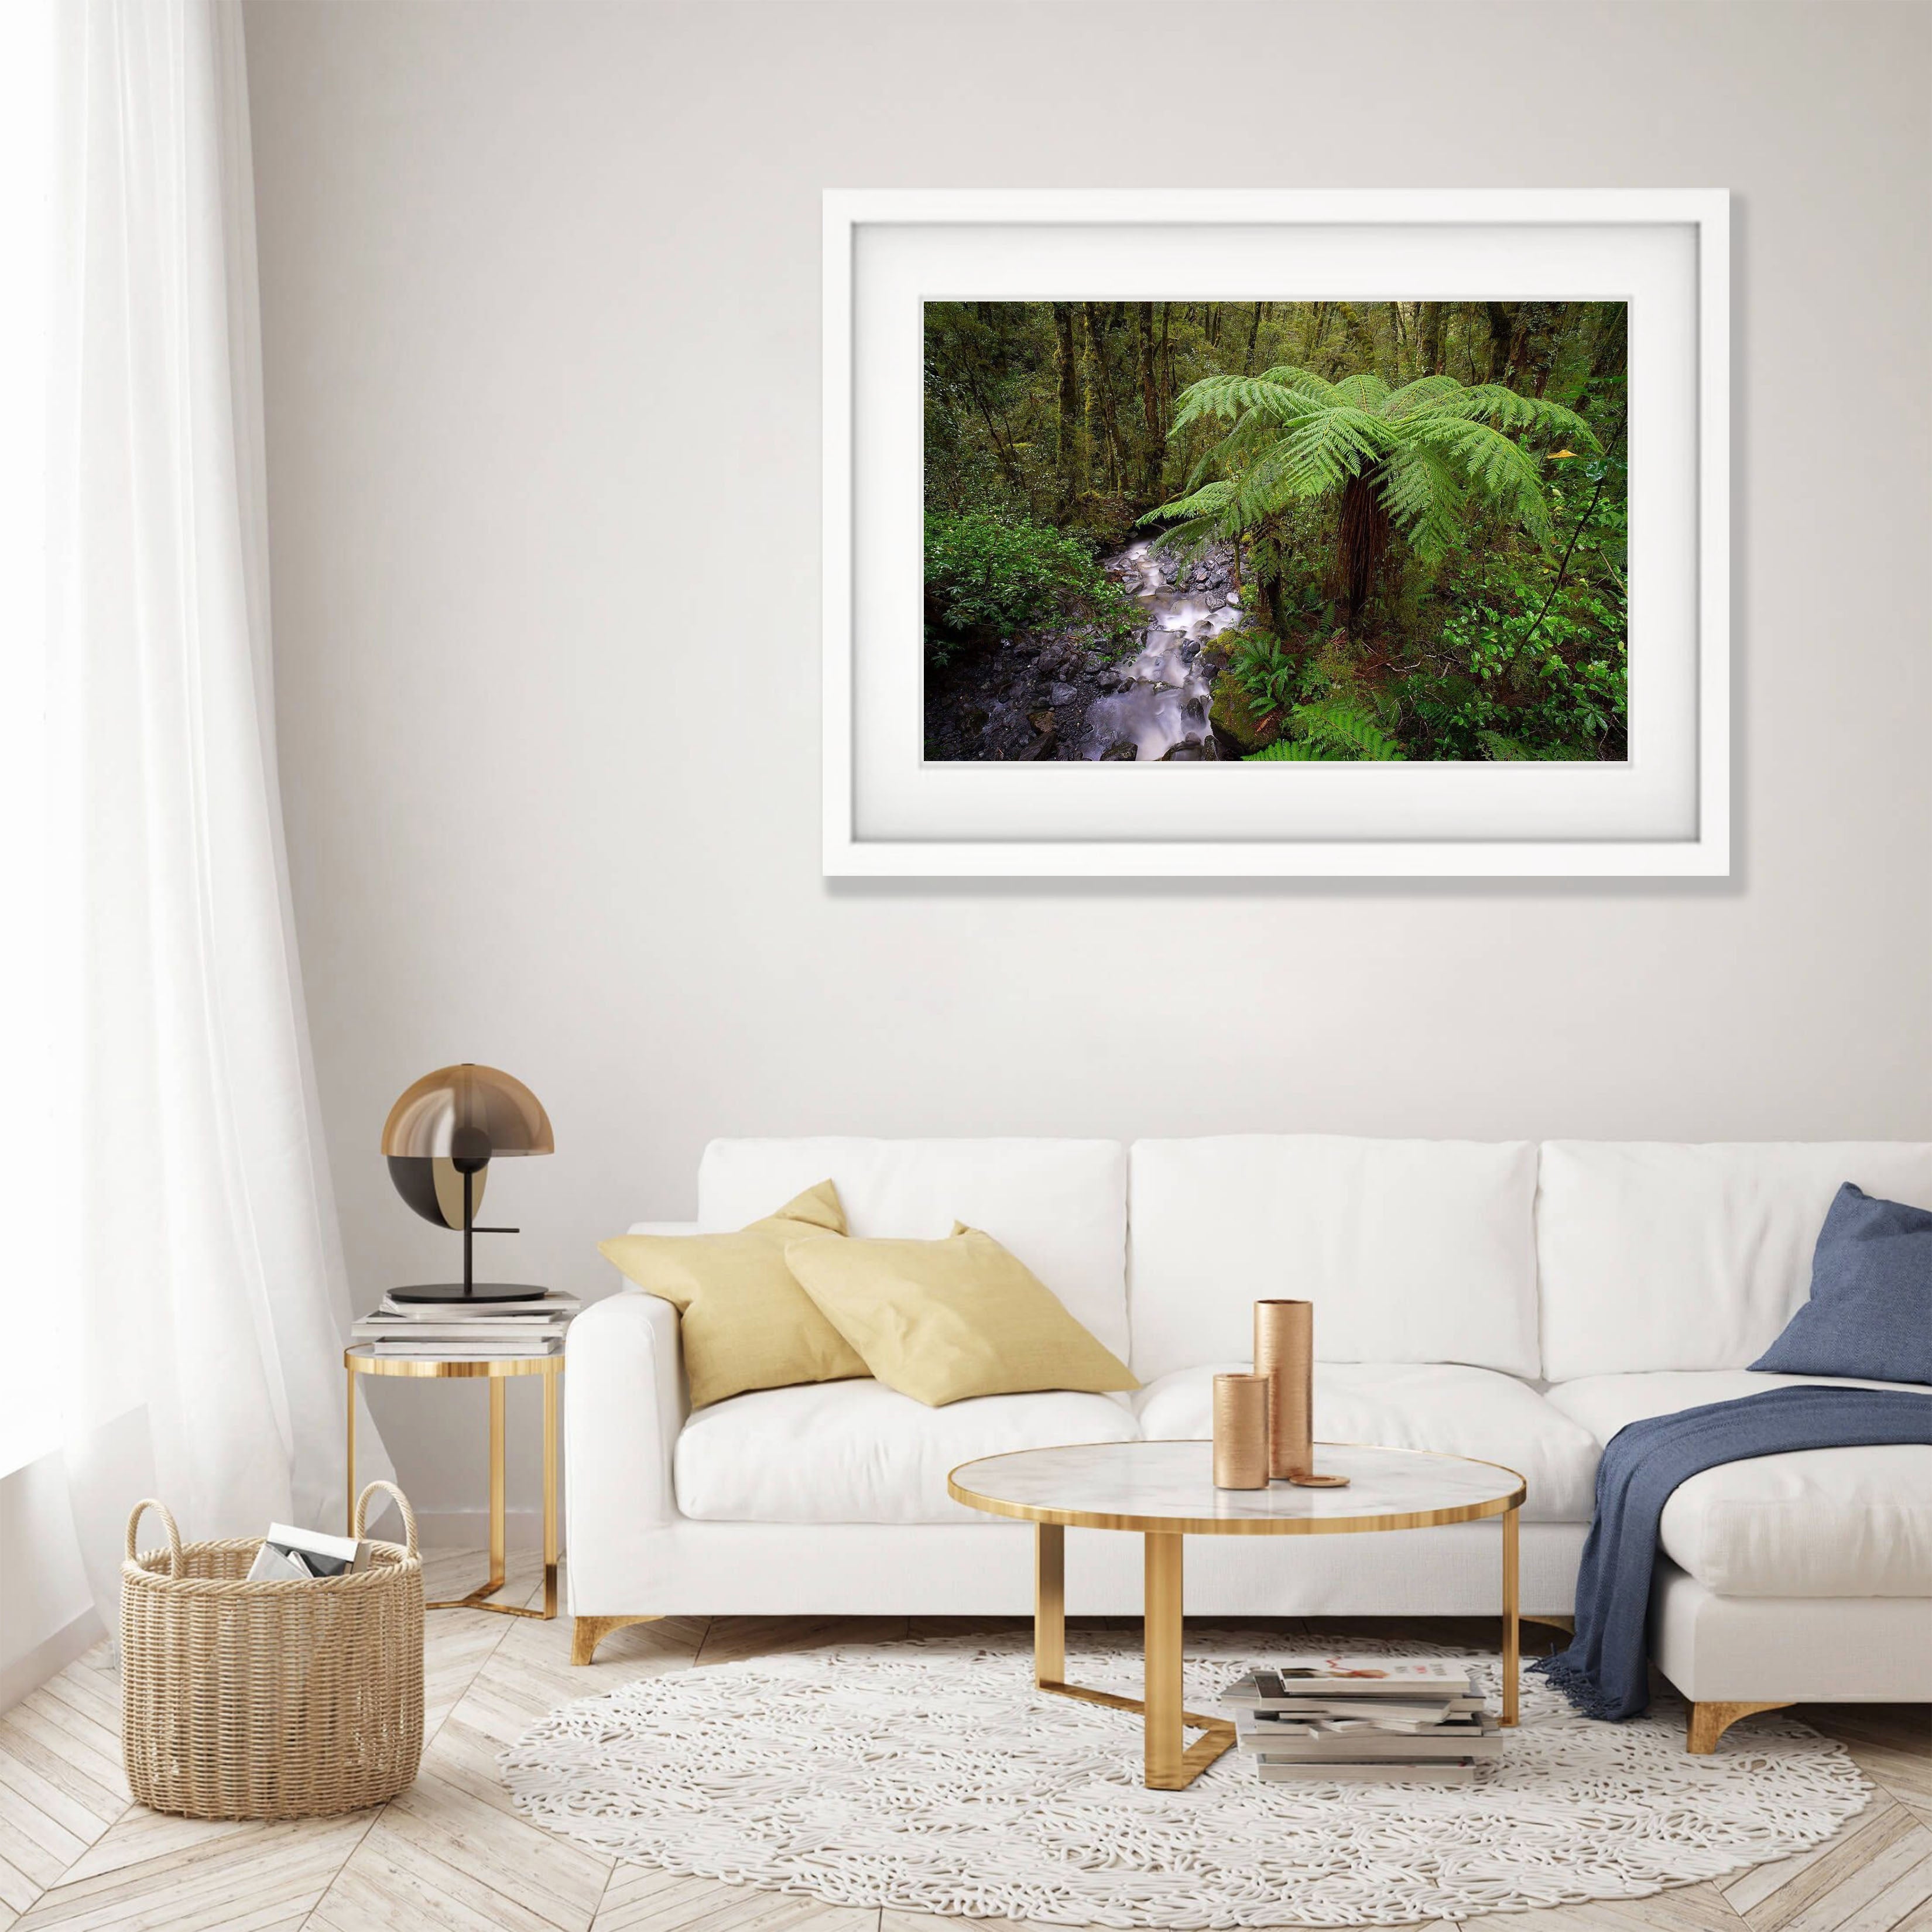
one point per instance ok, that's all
(625, 1405)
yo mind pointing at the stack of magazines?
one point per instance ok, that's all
(1407, 1720)
(469, 1331)
(289, 1556)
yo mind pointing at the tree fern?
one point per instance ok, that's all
(1414, 461)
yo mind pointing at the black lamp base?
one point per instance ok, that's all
(455, 1294)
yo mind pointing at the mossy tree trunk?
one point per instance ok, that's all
(1154, 428)
(1067, 451)
(1502, 333)
(1431, 339)
(1103, 390)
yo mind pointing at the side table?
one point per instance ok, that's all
(363, 1361)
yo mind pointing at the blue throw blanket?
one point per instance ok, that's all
(1603, 1672)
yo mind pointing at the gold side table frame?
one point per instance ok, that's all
(362, 1361)
(1171, 1763)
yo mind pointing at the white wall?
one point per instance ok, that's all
(540, 287)
(46, 1614)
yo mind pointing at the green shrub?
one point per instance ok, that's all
(1556, 688)
(989, 575)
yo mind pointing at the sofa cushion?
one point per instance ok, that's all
(1871, 1309)
(1812, 1522)
(743, 1320)
(1404, 1406)
(1059, 1205)
(1411, 1251)
(1655, 1256)
(944, 1322)
(859, 1452)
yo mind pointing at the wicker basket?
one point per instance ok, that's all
(269, 1700)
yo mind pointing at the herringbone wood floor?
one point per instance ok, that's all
(451, 1851)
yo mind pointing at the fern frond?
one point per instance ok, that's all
(1508, 474)
(1505, 408)
(1205, 502)
(1346, 728)
(1513, 750)
(1304, 380)
(1328, 448)
(1300, 754)
(1423, 393)
(1424, 496)
(1187, 541)
(1236, 396)
(1365, 392)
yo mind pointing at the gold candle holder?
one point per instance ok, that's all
(1285, 1354)
(1241, 1432)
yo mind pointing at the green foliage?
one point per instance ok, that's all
(988, 574)
(1431, 451)
(1268, 674)
(1345, 729)
(1287, 748)
(1428, 501)
(1564, 682)
(1335, 729)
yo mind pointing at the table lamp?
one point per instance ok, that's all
(440, 1140)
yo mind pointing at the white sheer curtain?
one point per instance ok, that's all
(204, 1274)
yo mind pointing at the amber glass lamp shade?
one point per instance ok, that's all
(439, 1139)
(466, 1113)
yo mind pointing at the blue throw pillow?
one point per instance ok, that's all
(1870, 1310)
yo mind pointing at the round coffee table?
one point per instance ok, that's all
(1165, 1490)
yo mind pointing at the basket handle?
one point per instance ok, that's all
(402, 1503)
(167, 1523)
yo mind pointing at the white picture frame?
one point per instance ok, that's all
(1665, 812)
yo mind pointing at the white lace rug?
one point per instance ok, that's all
(931, 1776)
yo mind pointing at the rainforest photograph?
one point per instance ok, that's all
(1361, 531)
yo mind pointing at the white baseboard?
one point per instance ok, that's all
(25, 1675)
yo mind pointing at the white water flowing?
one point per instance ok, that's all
(1165, 705)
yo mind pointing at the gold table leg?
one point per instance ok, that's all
(349, 1501)
(1512, 1629)
(499, 1506)
(549, 1495)
(1169, 1767)
(1049, 1605)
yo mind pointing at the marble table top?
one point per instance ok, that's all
(1169, 1486)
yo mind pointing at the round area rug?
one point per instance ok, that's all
(931, 1776)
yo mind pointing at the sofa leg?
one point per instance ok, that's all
(590, 1632)
(1709, 1722)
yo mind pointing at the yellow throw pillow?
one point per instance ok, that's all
(940, 1321)
(744, 1322)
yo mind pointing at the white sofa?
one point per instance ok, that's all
(1506, 1300)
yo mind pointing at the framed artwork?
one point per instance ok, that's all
(1321, 534)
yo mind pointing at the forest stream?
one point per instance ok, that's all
(1432, 500)
(1054, 694)
(1162, 709)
